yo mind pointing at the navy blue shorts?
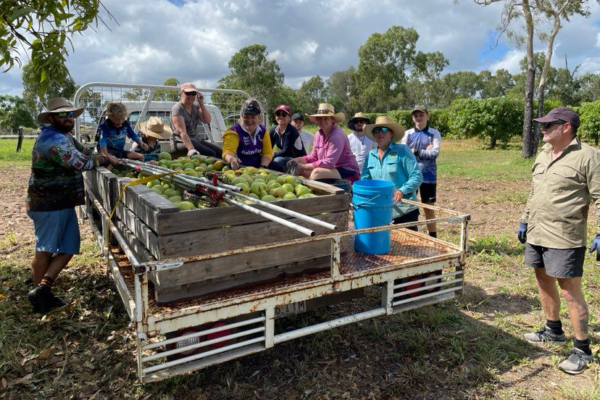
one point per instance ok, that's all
(346, 173)
(56, 231)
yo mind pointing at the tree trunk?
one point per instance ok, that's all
(542, 85)
(493, 142)
(528, 135)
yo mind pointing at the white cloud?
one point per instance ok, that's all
(510, 62)
(156, 39)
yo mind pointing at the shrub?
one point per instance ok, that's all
(589, 113)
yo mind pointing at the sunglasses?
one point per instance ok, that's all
(360, 121)
(191, 93)
(548, 125)
(65, 114)
(281, 114)
(381, 129)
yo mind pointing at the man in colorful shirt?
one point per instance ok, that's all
(424, 142)
(565, 180)
(55, 188)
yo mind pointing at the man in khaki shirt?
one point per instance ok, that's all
(565, 180)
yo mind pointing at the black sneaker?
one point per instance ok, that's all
(545, 335)
(43, 300)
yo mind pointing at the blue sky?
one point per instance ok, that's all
(194, 40)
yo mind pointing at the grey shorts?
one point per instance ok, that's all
(559, 263)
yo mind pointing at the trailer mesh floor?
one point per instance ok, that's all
(408, 248)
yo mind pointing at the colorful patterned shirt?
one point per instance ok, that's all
(56, 182)
(114, 138)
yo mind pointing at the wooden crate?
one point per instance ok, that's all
(150, 221)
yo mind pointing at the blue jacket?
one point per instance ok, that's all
(114, 138)
(399, 166)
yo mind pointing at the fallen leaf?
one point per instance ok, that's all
(45, 354)
(4, 383)
(2, 297)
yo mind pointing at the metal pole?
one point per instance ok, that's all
(263, 214)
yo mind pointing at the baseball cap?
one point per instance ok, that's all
(187, 87)
(298, 116)
(420, 108)
(285, 108)
(564, 114)
(251, 107)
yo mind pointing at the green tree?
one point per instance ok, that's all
(45, 28)
(252, 72)
(340, 86)
(312, 92)
(590, 121)
(56, 86)
(589, 87)
(14, 114)
(168, 95)
(495, 119)
(495, 85)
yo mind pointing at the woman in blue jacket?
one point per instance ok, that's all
(396, 163)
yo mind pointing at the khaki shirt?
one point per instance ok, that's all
(561, 192)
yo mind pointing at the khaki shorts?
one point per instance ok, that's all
(559, 263)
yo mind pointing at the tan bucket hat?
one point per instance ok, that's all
(59, 104)
(381, 121)
(156, 128)
(358, 115)
(327, 110)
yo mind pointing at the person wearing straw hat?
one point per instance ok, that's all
(55, 188)
(185, 116)
(331, 157)
(360, 144)
(393, 162)
(152, 130)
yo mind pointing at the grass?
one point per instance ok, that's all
(10, 158)
(468, 348)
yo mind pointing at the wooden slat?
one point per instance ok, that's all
(236, 264)
(176, 293)
(139, 229)
(223, 239)
(210, 218)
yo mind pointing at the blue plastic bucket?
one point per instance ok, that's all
(373, 201)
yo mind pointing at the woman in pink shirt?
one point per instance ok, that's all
(331, 156)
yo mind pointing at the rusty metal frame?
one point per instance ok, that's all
(152, 323)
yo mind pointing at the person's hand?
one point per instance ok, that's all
(398, 195)
(145, 146)
(522, 232)
(200, 98)
(596, 246)
(152, 162)
(429, 147)
(113, 160)
(192, 152)
(235, 163)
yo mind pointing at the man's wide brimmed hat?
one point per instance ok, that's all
(57, 105)
(327, 110)
(397, 129)
(156, 128)
(356, 117)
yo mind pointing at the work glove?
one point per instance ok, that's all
(595, 246)
(522, 232)
(192, 152)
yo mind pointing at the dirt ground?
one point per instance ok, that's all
(533, 380)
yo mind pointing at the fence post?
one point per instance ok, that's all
(20, 139)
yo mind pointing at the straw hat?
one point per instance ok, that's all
(327, 110)
(396, 128)
(59, 104)
(358, 115)
(156, 128)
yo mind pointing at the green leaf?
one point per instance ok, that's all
(19, 13)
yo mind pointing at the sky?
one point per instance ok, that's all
(194, 40)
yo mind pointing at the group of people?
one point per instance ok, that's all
(566, 179)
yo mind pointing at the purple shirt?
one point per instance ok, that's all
(333, 152)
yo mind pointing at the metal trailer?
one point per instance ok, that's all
(194, 334)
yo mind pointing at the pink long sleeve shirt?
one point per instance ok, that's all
(333, 152)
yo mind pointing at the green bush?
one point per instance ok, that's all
(589, 113)
(495, 119)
